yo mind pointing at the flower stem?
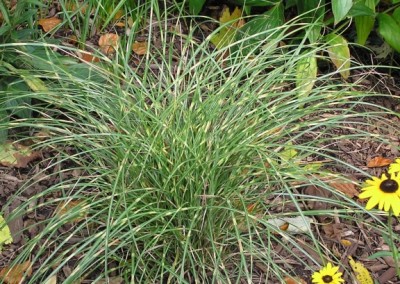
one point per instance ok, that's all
(392, 245)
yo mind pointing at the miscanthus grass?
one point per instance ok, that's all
(183, 161)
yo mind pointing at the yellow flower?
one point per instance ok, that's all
(384, 192)
(327, 275)
(394, 167)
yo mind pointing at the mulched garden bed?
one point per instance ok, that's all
(360, 243)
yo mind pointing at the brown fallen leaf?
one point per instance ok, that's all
(71, 6)
(49, 23)
(69, 206)
(108, 43)
(294, 280)
(16, 273)
(347, 188)
(16, 155)
(140, 48)
(87, 57)
(379, 162)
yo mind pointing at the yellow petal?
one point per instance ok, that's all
(372, 202)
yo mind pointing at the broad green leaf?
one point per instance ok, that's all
(365, 23)
(195, 6)
(340, 8)
(261, 28)
(306, 73)
(339, 53)
(312, 11)
(230, 23)
(389, 30)
(14, 104)
(3, 119)
(362, 8)
(5, 234)
(395, 1)
(396, 15)
(256, 2)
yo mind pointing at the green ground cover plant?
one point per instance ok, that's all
(185, 159)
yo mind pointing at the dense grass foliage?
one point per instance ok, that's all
(183, 161)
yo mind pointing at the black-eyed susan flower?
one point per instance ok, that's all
(394, 167)
(384, 192)
(328, 275)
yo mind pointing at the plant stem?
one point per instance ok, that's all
(392, 245)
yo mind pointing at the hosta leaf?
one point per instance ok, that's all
(365, 23)
(261, 28)
(339, 53)
(3, 119)
(195, 6)
(312, 11)
(396, 15)
(306, 73)
(340, 8)
(389, 29)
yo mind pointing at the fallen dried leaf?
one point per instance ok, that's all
(49, 23)
(379, 162)
(227, 33)
(346, 243)
(87, 57)
(16, 273)
(69, 207)
(140, 48)
(294, 280)
(108, 43)
(347, 188)
(362, 274)
(16, 155)
(51, 280)
(5, 234)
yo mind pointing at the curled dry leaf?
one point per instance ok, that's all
(16, 273)
(379, 162)
(140, 48)
(49, 23)
(108, 43)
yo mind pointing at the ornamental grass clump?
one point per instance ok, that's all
(181, 162)
(329, 274)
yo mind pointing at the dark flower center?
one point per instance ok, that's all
(327, 278)
(389, 186)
